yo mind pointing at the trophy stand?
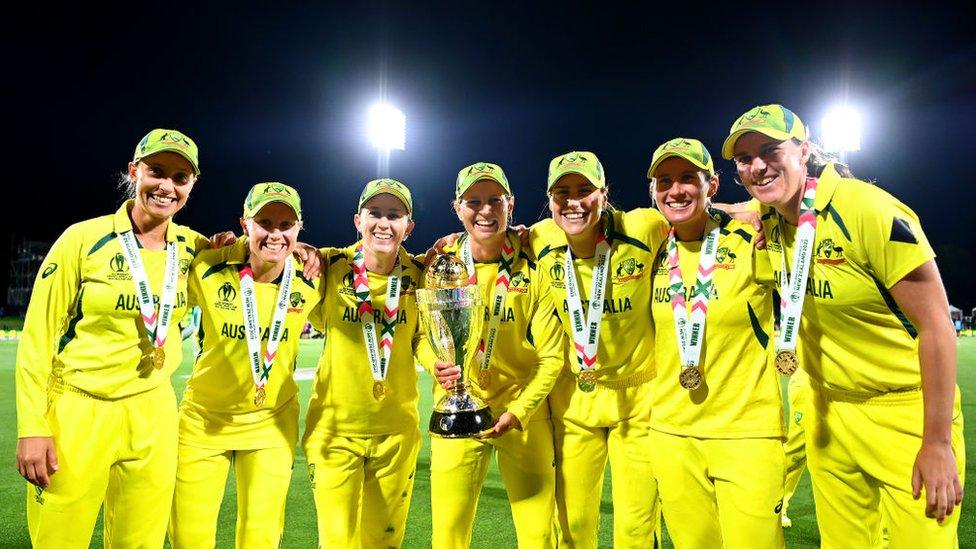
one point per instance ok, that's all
(452, 313)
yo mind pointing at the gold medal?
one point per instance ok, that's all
(158, 358)
(484, 378)
(379, 390)
(690, 377)
(786, 362)
(259, 397)
(586, 381)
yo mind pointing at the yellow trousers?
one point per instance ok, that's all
(457, 471)
(720, 492)
(362, 487)
(120, 453)
(795, 445)
(860, 453)
(263, 477)
(588, 429)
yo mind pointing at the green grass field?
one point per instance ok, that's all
(493, 527)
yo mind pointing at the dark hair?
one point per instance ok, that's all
(819, 159)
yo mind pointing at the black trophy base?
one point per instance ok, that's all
(464, 424)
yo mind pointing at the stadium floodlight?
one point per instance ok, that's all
(387, 127)
(842, 130)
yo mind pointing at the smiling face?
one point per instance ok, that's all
(772, 171)
(272, 233)
(383, 224)
(484, 210)
(163, 182)
(681, 190)
(576, 204)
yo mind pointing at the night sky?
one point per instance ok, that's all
(280, 93)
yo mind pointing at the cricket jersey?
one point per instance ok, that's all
(221, 390)
(853, 336)
(626, 348)
(342, 398)
(83, 328)
(528, 351)
(740, 394)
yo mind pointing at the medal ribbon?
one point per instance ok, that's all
(792, 285)
(586, 328)
(364, 305)
(157, 326)
(261, 365)
(502, 281)
(691, 335)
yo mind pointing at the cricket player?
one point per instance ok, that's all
(362, 430)
(240, 407)
(96, 413)
(520, 356)
(598, 263)
(864, 315)
(717, 428)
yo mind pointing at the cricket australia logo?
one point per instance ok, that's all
(119, 268)
(829, 253)
(184, 266)
(519, 283)
(724, 258)
(297, 302)
(226, 297)
(627, 270)
(407, 285)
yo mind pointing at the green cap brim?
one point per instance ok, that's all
(728, 147)
(667, 155)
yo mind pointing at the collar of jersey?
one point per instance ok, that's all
(121, 222)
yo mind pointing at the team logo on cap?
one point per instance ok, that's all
(171, 138)
(580, 160)
(481, 168)
(755, 116)
(678, 145)
(226, 296)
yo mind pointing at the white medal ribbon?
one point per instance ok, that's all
(691, 334)
(793, 285)
(586, 327)
(157, 326)
(261, 365)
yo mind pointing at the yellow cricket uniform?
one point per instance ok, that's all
(527, 359)
(362, 452)
(795, 446)
(864, 424)
(613, 420)
(220, 423)
(84, 377)
(719, 457)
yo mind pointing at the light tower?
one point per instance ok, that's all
(387, 128)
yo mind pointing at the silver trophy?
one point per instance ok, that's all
(453, 315)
